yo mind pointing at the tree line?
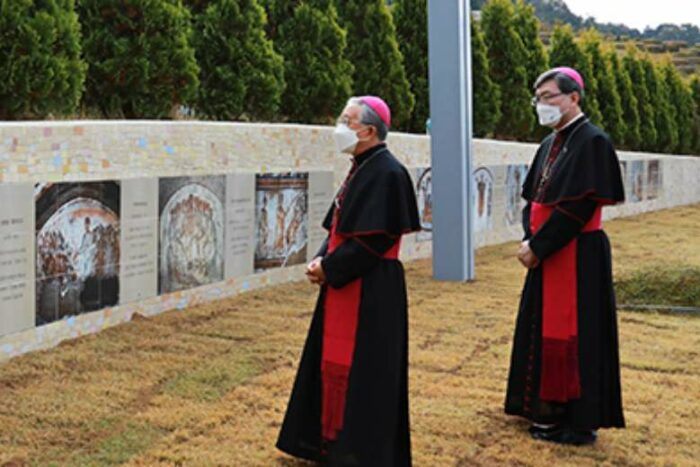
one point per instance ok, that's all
(298, 60)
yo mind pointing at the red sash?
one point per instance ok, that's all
(559, 379)
(341, 313)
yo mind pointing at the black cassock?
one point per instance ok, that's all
(573, 175)
(375, 206)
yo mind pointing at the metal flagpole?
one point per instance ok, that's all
(449, 51)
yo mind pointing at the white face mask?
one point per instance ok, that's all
(549, 115)
(345, 138)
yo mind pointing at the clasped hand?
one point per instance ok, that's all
(314, 271)
(526, 257)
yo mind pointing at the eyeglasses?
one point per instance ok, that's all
(545, 97)
(345, 120)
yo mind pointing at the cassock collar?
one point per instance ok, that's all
(572, 124)
(364, 156)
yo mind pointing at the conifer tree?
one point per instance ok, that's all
(565, 51)
(628, 100)
(411, 20)
(606, 93)
(665, 115)
(242, 77)
(197, 6)
(528, 28)
(647, 118)
(507, 60)
(680, 99)
(141, 60)
(313, 45)
(486, 95)
(41, 72)
(695, 134)
(374, 52)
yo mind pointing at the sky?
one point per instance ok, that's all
(638, 13)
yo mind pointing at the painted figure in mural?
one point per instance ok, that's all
(192, 251)
(483, 179)
(279, 245)
(638, 183)
(107, 264)
(349, 404)
(514, 181)
(564, 374)
(653, 180)
(428, 200)
(295, 223)
(481, 191)
(55, 267)
(85, 254)
(263, 228)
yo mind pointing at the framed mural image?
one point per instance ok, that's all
(636, 181)
(77, 248)
(281, 219)
(515, 176)
(623, 173)
(654, 180)
(191, 232)
(483, 199)
(424, 199)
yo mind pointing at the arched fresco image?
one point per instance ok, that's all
(191, 250)
(77, 248)
(424, 199)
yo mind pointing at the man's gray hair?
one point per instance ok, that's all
(370, 117)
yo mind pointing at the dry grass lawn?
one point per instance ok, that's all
(208, 386)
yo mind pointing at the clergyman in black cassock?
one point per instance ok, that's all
(564, 372)
(349, 403)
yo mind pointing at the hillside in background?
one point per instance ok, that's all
(554, 11)
(682, 42)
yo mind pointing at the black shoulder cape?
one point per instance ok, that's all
(586, 167)
(379, 199)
